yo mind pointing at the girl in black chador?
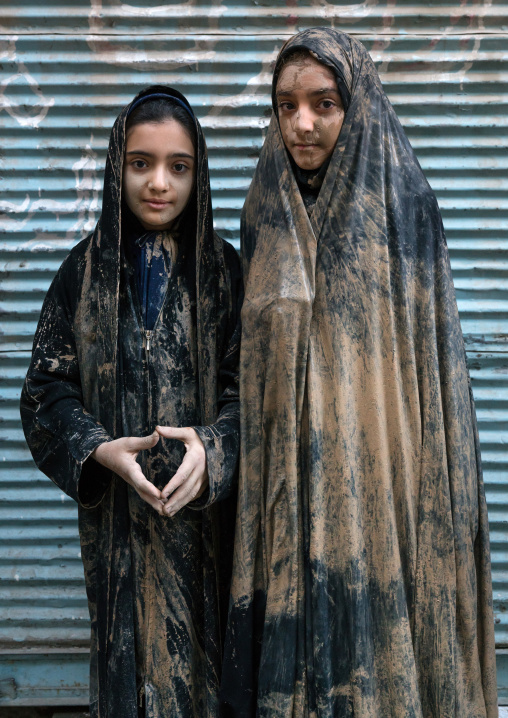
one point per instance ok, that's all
(139, 332)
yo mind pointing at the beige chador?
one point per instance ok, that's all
(361, 584)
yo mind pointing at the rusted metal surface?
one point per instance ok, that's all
(66, 68)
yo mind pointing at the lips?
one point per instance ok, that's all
(156, 204)
(305, 147)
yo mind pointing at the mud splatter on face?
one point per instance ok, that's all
(310, 111)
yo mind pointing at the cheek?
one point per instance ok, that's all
(131, 185)
(285, 128)
(185, 190)
(332, 128)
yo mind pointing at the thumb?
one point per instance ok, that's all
(183, 433)
(141, 443)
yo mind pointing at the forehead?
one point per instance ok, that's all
(169, 134)
(306, 74)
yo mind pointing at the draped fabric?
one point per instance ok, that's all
(361, 582)
(157, 587)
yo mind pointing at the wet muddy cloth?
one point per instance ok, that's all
(309, 183)
(157, 586)
(361, 582)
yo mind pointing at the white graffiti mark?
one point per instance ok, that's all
(476, 47)
(33, 115)
(26, 118)
(347, 13)
(322, 10)
(13, 207)
(126, 55)
(9, 222)
(426, 60)
(178, 9)
(86, 204)
(163, 60)
(382, 44)
(260, 83)
(88, 187)
(8, 49)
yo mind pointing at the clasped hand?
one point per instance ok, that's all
(188, 483)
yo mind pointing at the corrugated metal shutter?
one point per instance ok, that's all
(66, 70)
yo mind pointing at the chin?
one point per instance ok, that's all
(307, 161)
(310, 164)
(155, 224)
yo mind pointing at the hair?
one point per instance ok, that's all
(297, 56)
(160, 110)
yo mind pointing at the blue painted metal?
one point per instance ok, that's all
(45, 678)
(66, 69)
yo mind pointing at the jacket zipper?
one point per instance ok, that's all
(149, 567)
(150, 564)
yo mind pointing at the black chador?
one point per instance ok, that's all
(157, 586)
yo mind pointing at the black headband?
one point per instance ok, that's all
(161, 96)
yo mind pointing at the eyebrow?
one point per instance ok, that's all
(150, 154)
(321, 91)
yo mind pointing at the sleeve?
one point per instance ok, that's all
(60, 433)
(222, 439)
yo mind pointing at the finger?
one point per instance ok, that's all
(185, 471)
(132, 473)
(141, 443)
(151, 494)
(186, 493)
(180, 478)
(146, 489)
(182, 433)
(135, 477)
(154, 503)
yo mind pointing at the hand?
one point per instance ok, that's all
(120, 456)
(191, 479)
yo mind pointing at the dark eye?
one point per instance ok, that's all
(180, 167)
(286, 106)
(139, 164)
(327, 104)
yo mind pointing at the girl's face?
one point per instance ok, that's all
(310, 111)
(158, 172)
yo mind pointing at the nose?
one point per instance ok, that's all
(303, 120)
(159, 180)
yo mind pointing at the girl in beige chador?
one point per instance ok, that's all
(361, 580)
